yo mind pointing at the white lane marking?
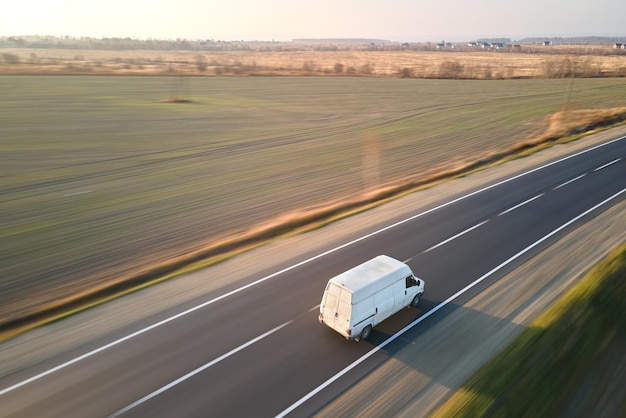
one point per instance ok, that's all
(198, 370)
(263, 279)
(77, 193)
(437, 308)
(456, 236)
(521, 204)
(607, 164)
(570, 181)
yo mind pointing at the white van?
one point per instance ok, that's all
(359, 299)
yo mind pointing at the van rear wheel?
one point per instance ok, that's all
(366, 332)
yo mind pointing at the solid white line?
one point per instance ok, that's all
(521, 204)
(198, 370)
(606, 165)
(570, 181)
(263, 279)
(437, 308)
(456, 236)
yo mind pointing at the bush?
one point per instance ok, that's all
(367, 68)
(10, 58)
(308, 66)
(450, 69)
(405, 72)
(201, 63)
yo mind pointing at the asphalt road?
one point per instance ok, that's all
(254, 347)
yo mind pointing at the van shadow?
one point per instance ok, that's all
(445, 348)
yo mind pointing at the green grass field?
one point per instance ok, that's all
(100, 180)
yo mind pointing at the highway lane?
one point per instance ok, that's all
(275, 371)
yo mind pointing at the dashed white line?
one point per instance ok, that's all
(456, 236)
(521, 204)
(607, 164)
(570, 181)
(198, 370)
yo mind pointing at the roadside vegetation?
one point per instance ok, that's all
(568, 362)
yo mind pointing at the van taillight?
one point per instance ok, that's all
(321, 317)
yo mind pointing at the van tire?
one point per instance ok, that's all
(415, 301)
(365, 333)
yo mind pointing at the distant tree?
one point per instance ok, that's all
(201, 63)
(338, 68)
(308, 66)
(450, 69)
(20, 42)
(10, 58)
(367, 68)
(549, 68)
(405, 72)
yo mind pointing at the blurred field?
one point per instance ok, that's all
(101, 181)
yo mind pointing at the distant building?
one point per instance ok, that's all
(618, 45)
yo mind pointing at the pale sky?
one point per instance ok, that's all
(397, 20)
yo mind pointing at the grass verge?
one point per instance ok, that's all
(564, 363)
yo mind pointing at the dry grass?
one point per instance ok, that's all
(574, 121)
(460, 64)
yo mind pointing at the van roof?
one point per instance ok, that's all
(368, 273)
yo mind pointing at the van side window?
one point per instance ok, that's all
(410, 281)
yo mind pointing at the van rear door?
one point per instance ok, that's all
(336, 308)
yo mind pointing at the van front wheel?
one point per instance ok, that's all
(366, 332)
(415, 301)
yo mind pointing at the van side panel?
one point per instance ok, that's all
(362, 315)
(384, 302)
